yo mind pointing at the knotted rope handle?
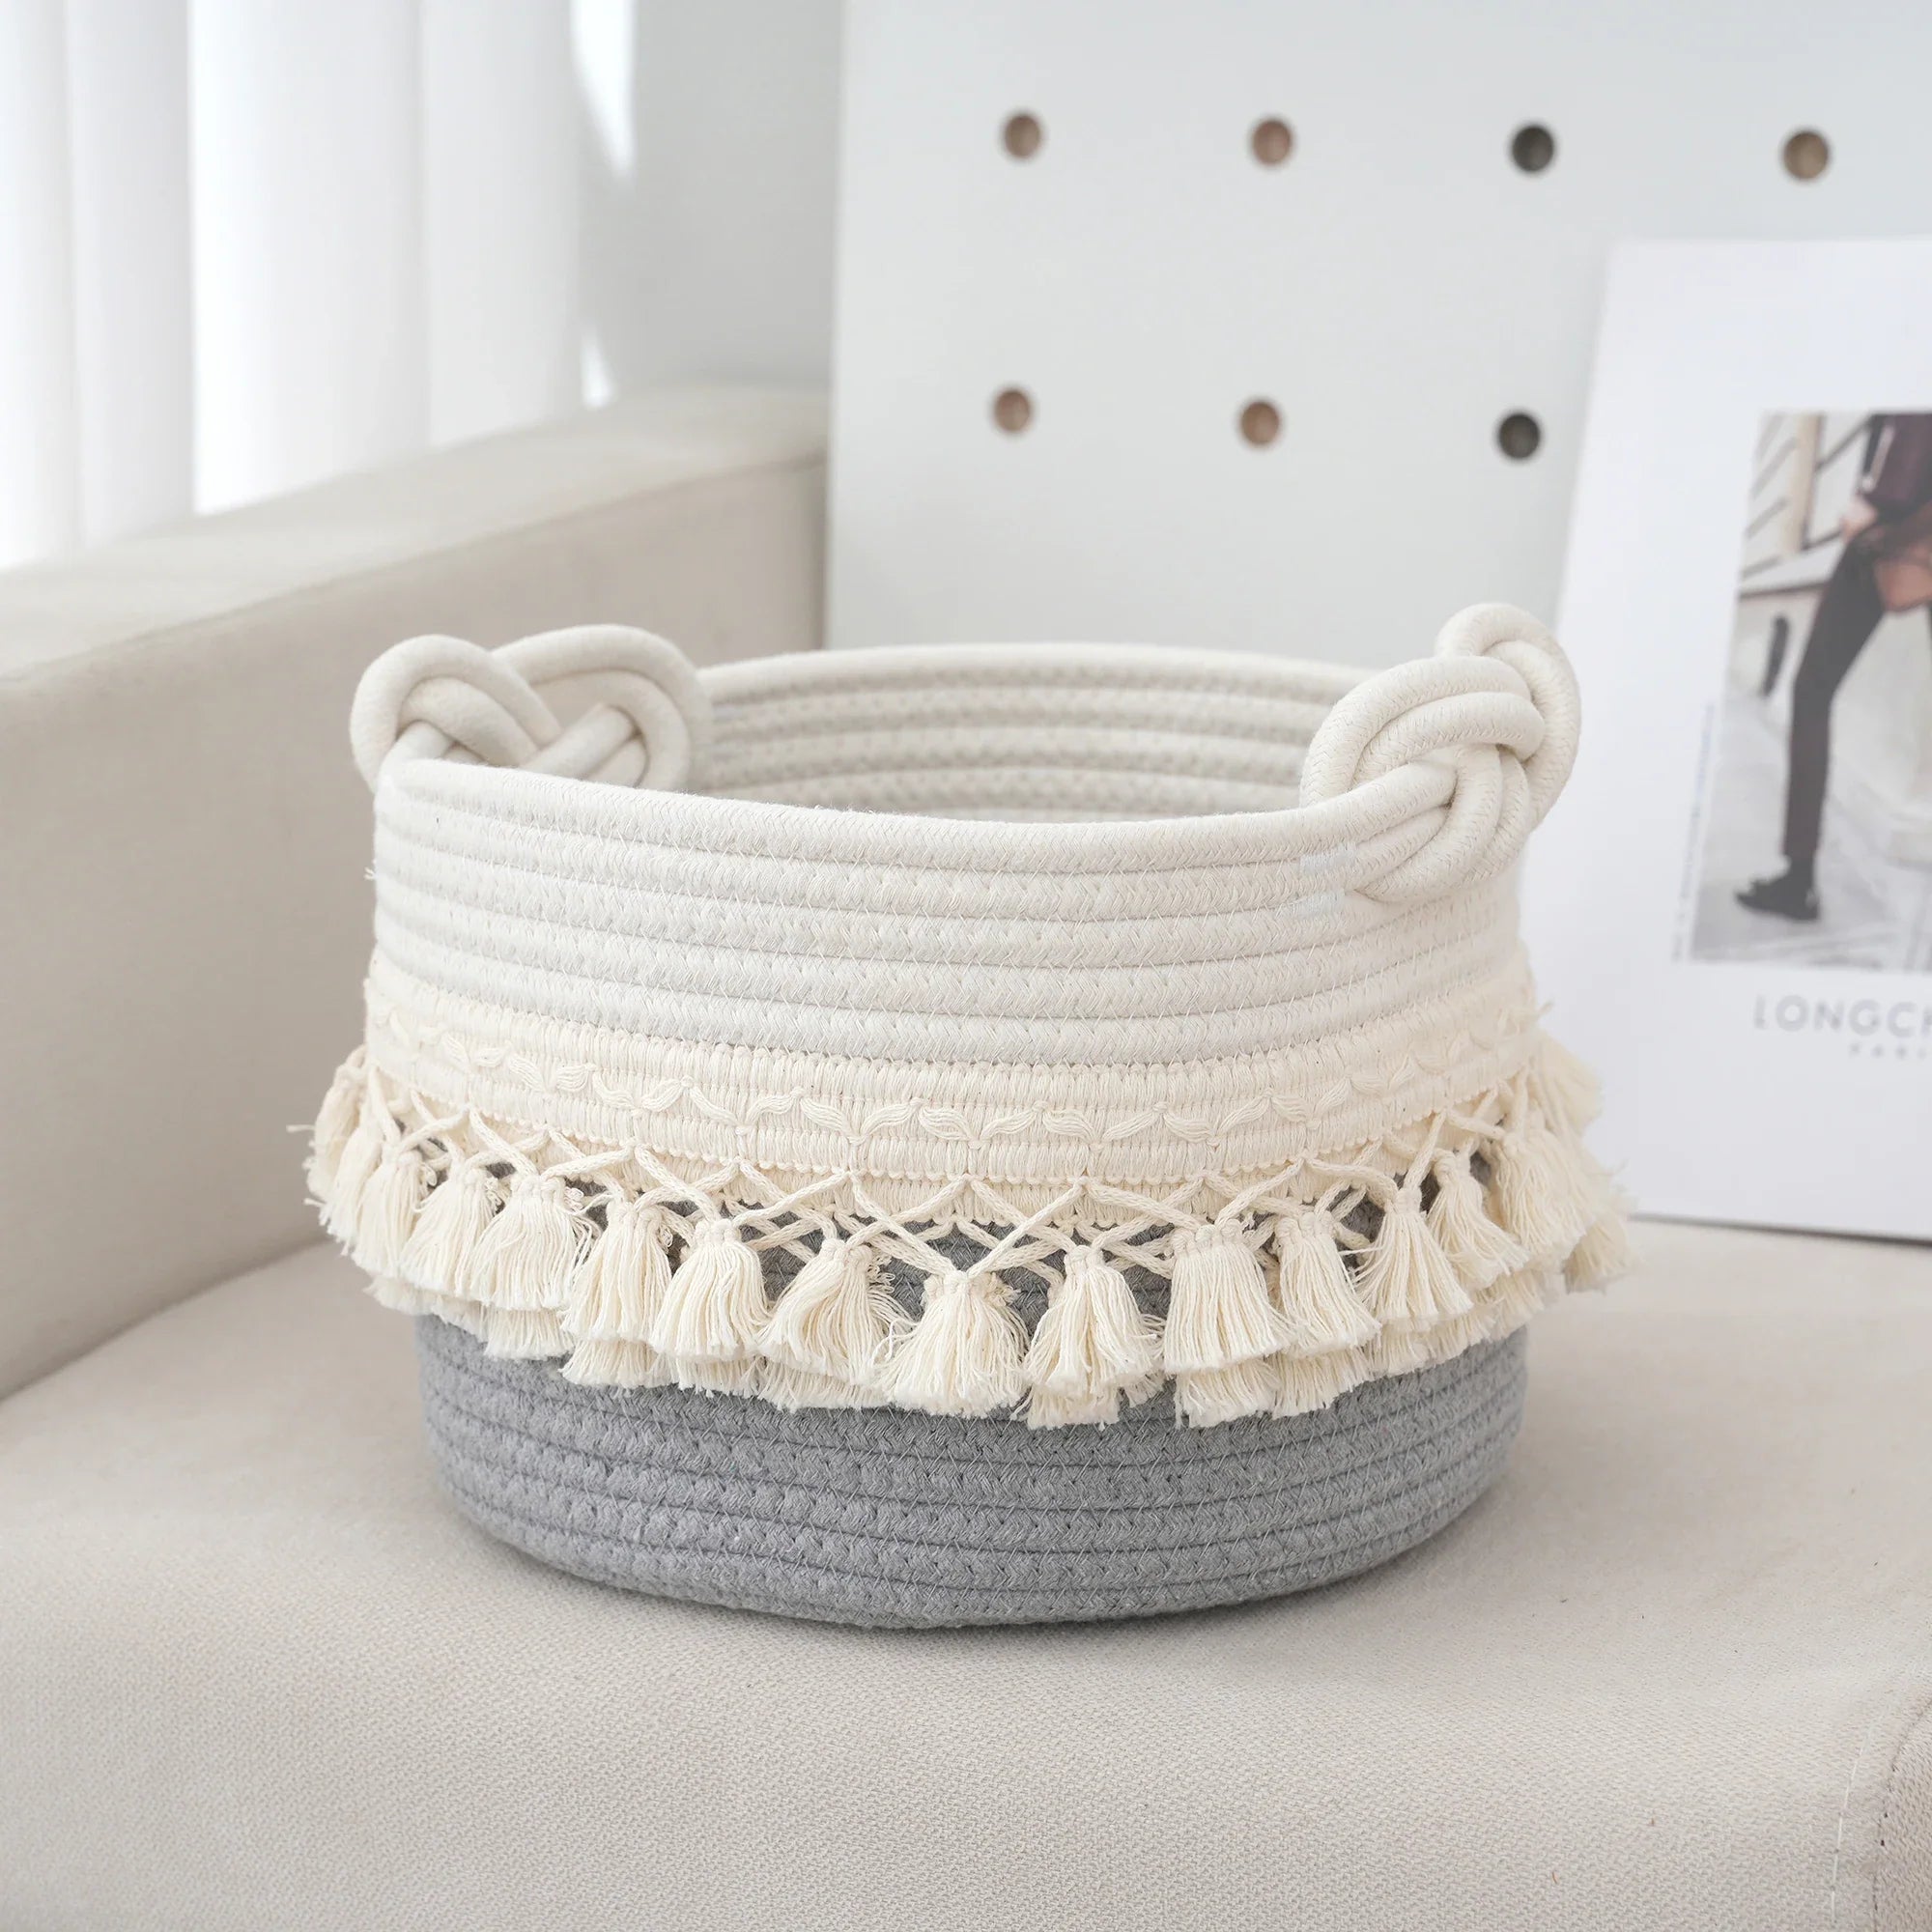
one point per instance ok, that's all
(637, 714)
(1451, 761)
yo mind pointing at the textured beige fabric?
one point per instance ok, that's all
(1674, 1671)
(182, 839)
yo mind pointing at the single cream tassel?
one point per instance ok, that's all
(468, 1316)
(1568, 1084)
(1400, 1350)
(713, 1308)
(739, 1378)
(964, 1353)
(1218, 1313)
(1512, 1300)
(1044, 1409)
(361, 1154)
(1304, 1383)
(795, 1388)
(443, 1246)
(385, 1215)
(523, 1334)
(1093, 1340)
(835, 1319)
(387, 1292)
(1458, 1217)
(612, 1363)
(341, 1107)
(1542, 1190)
(614, 1295)
(1406, 1279)
(1603, 1254)
(1206, 1398)
(1317, 1297)
(525, 1256)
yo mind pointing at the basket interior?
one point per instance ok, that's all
(1033, 732)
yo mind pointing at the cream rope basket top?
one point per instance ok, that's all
(971, 1030)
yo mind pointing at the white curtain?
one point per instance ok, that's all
(248, 244)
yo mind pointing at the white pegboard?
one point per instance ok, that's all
(1396, 288)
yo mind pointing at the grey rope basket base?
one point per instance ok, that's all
(881, 1517)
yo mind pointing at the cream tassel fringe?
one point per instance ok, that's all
(521, 1265)
(1218, 1311)
(1044, 1409)
(1093, 1345)
(614, 1297)
(361, 1154)
(1408, 1280)
(1478, 1249)
(1603, 1254)
(1568, 1086)
(713, 1308)
(523, 1259)
(614, 1362)
(1205, 1398)
(1304, 1383)
(1317, 1299)
(794, 1388)
(524, 1334)
(1542, 1190)
(461, 1314)
(341, 1109)
(1516, 1297)
(443, 1246)
(387, 1292)
(963, 1356)
(835, 1320)
(1503, 1308)
(739, 1378)
(1399, 1348)
(385, 1215)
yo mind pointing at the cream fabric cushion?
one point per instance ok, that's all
(1674, 1671)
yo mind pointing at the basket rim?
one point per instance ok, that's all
(1421, 776)
(1049, 661)
(930, 842)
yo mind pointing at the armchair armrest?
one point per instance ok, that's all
(182, 839)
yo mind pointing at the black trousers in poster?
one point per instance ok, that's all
(1848, 613)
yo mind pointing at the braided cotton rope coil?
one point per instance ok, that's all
(974, 1030)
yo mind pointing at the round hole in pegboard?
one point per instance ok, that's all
(1532, 147)
(1022, 137)
(1272, 141)
(1518, 436)
(1012, 411)
(1806, 155)
(1260, 422)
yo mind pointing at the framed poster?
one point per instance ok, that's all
(1731, 910)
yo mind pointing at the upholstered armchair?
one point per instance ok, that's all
(1675, 1670)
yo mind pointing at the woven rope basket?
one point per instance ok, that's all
(962, 1134)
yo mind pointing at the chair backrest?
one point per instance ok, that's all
(183, 839)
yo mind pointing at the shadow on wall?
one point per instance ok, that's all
(710, 135)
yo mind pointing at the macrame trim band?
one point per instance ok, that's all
(1248, 1294)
